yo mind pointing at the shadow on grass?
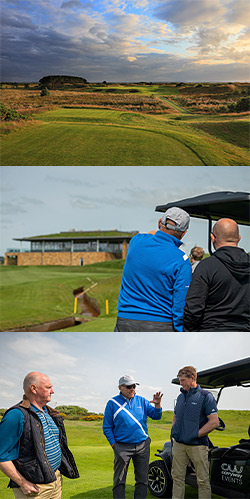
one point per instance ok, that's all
(103, 493)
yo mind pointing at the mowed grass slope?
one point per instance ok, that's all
(161, 133)
(94, 456)
(33, 295)
(70, 137)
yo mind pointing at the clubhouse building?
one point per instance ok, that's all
(71, 248)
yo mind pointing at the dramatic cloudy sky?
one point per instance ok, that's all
(85, 367)
(126, 40)
(45, 200)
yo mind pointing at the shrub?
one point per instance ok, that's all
(3, 111)
(45, 92)
(243, 105)
(7, 114)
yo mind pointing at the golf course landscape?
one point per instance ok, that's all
(34, 295)
(94, 456)
(140, 124)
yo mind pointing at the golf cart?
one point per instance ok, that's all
(214, 206)
(229, 466)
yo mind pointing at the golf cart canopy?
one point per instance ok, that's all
(233, 374)
(215, 205)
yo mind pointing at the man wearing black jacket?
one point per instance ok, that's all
(219, 294)
(33, 443)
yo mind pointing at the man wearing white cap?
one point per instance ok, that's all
(125, 427)
(156, 278)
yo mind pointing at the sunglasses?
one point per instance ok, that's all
(130, 386)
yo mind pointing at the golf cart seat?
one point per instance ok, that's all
(239, 451)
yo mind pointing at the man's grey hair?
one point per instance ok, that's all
(29, 380)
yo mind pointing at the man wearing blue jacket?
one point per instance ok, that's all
(125, 427)
(195, 416)
(156, 278)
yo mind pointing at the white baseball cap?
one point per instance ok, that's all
(177, 215)
(127, 380)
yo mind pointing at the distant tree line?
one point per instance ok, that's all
(55, 81)
(73, 412)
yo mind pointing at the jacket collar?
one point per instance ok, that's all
(191, 391)
(171, 239)
(27, 405)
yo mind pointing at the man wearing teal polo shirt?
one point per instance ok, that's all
(33, 444)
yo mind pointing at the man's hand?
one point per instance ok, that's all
(29, 487)
(213, 422)
(157, 399)
(10, 471)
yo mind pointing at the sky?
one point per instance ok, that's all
(85, 367)
(126, 40)
(46, 200)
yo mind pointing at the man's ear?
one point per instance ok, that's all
(159, 223)
(212, 238)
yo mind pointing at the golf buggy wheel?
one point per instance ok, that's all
(159, 482)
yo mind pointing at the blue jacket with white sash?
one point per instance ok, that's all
(126, 420)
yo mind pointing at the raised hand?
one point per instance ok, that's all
(157, 399)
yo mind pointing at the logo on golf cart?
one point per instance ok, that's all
(231, 473)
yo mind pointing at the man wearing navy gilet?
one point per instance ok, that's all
(195, 416)
(33, 444)
(156, 278)
(125, 427)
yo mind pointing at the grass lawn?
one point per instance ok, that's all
(69, 136)
(33, 295)
(94, 456)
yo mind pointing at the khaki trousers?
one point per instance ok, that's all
(52, 490)
(198, 454)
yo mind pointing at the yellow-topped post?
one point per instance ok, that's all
(75, 305)
(107, 307)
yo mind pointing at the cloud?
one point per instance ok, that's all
(83, 203)
(39, 347)
(7, 395)
(32, 201)
(160, 42)
(16, 21)
(12, 208)
(191, 12)
(6, 382)
(69, 180)
(71, 4)
(238, 12)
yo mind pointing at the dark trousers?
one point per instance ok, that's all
(140, 457)
(125, 325)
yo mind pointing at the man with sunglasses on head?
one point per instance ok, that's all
(156, 277)
(125, 427)
(219, 294)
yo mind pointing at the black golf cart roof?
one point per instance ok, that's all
(225, 204)
(233, 374)
(213, 206)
